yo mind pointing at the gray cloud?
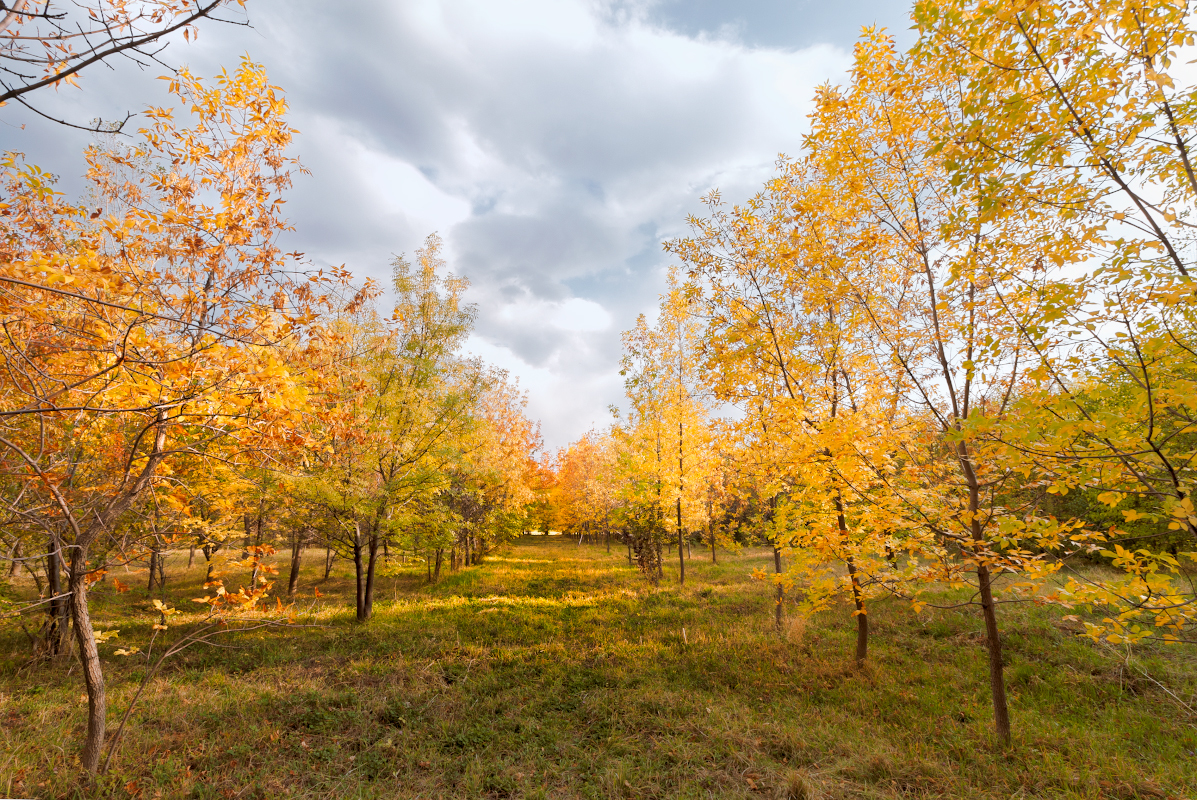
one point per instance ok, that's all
(553, 143)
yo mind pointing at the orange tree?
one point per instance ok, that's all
(143, 333)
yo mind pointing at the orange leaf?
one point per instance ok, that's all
(120, 587)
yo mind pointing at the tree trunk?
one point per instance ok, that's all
(862, 617)
(359, 571)
(436, 575)
(15, 557)
(89, 658)
(58, 603)
(191, 556)
(629, 542)
(329, 558)
(681, 554)
(711, 530)
(368, 603)
(997, 684)
(296, 553)
(153, 569)
(778, 611)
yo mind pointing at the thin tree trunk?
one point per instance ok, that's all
(153, 569)
(368, 603)
(997, 683)
(329, 557)
(681, 554)
(629, 543)
(191, 556)
(359, 572)
(778, 610)
(89, 658)
(296, 553)
(440, 554)
(58, 603)
(862, 617)
(15, 557)
(711, 530)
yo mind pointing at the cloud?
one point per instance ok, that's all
(554, 144)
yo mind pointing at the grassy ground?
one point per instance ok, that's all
(553, 671)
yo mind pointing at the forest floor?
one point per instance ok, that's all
(553, 670)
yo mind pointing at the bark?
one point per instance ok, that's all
(778, 610)
(997, 683)
(56, 633)
(329, 558)
(153, 569)
(296, 552)
(681, 554)
(862, 618)
(629, 541)
(15, 558)
(191, 556)
(436, 575)
(711, 529)
(89, 657)
(368, 602)
(359, 572)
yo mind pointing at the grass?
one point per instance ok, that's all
(553, 671)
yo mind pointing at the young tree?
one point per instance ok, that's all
(136, 338)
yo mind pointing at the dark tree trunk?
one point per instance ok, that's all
(57, 629)
(329, 558)
(368, 602)
(296, 553)
(778, 610)
(436, 575)
(359, 572)
(862, 617)
(629, 542)
(997, 683)
(711, 530)
(153, 569)
(681, 554)
(191, 556)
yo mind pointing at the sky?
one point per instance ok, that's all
(554, 145)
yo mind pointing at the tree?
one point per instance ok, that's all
(135, 339)
(662, 376)
(1076, 114)
(51, 43)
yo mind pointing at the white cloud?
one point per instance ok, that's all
(553, 143)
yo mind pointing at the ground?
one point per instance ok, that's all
(552, 670)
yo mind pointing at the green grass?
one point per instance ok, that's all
(553, 671)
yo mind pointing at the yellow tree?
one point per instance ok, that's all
(664, 387)
(136, 337)
(1079, 114)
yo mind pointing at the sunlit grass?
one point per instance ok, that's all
(554, 670)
